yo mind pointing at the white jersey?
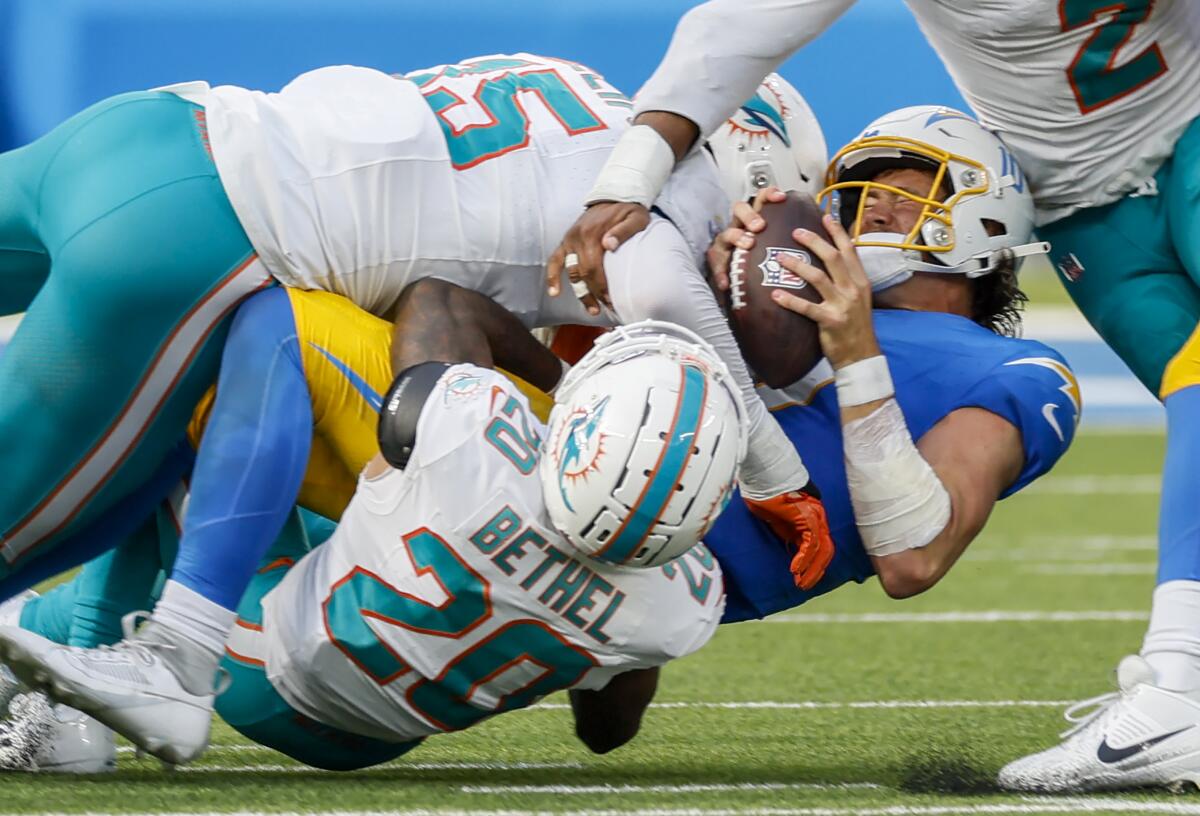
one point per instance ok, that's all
(358, 182)
(1090, 95)
(445, 596)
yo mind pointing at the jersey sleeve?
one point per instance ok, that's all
(1040, 396)
(683, 602)
(477, 406)
(723, 49)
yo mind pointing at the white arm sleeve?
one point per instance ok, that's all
(654, 275)
(723, 49)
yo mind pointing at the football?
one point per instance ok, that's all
(779, 345)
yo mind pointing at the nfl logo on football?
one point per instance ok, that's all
(775, 276)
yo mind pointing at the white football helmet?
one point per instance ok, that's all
(644, 444)
(976, 216)
(773, 139)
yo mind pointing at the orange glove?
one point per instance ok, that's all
(798, 517)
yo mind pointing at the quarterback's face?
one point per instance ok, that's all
(886, 211)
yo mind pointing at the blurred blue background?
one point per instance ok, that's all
(58, 56)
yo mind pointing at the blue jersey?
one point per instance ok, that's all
(939, 363)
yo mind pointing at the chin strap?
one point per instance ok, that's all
(888, 266)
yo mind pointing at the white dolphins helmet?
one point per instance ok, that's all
(976, 216)
(644, 444)
(773, 139)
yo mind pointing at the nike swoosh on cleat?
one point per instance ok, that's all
(1109, 755)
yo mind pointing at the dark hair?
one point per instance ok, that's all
(997, 300)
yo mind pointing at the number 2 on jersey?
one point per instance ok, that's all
(1094, 75)
(493, 121)
(547, 661)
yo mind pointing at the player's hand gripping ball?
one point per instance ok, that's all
(780, 345)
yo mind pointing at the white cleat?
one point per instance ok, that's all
(10, 687)
(1139, 736)
(129, 687)
(41, 737)
(10, 615)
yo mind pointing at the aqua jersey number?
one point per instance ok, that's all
(362, 595)
(493, 118)
(544, 660)
(445, 701)
(1094, 74)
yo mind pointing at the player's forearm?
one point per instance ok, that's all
(911, 572)
(720, 53)
(679, 132)
(437, 320)
(900, 503)
(721, 50)
(975, 455)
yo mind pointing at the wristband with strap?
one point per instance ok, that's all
(864, 381)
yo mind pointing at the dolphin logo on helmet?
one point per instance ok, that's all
(773, 139)
(579, 432)
(673, 429)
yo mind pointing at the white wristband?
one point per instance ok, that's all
(636, 170)
(864, 381)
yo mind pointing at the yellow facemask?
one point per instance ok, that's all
(973, 180)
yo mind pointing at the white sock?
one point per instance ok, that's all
(10, 610)
(189, 613)
(1172, 644)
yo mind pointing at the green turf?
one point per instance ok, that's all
(829, 759)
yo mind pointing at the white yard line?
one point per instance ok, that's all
(810, 705)
(1129, 429)
(391, 766)
(1029, 555)
(745, 787)
(1091, 569)
(1075, 543)
(1139, 484)
(1028, 805)
(218, 750)
(1035, 549)
(993, 616)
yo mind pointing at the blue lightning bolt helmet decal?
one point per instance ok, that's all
(945, 113)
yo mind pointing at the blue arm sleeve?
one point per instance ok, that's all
(253, 456)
